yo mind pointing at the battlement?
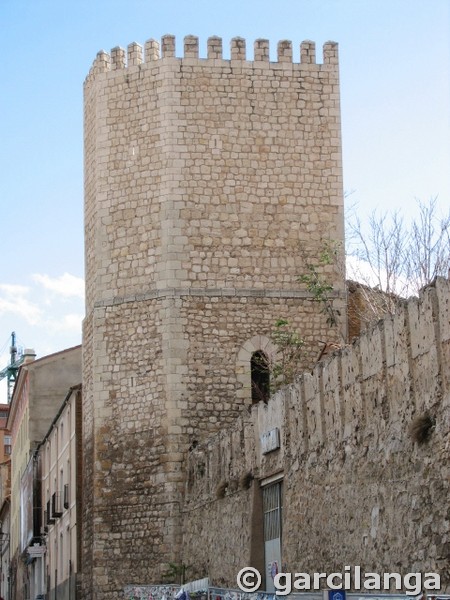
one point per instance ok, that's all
(152, 51)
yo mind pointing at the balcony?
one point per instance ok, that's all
(57, 509)
(48, 519)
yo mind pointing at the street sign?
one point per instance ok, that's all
(336, 595)
(36, 550)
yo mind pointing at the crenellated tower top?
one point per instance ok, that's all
(152, 51)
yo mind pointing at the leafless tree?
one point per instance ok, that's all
(394, 259)
(429, 248)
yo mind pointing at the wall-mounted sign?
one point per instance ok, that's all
(36, 550)
(270, 440)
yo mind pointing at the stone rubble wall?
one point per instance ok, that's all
(358, 490)
(218, 174)
(209, 185)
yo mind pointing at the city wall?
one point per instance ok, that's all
(361, 486)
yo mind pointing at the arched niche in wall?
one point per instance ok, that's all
(250, 368)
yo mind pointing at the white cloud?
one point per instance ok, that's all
(46, 313)
(65, 285)
(14, 301)
(361, 271)
(70, 323)
(11, 289)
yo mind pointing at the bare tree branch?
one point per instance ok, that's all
(395, 260)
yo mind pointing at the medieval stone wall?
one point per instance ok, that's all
(210, 184)
(359, 489)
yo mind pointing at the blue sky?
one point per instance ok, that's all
(395, 78)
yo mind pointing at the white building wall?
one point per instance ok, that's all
(58, 461)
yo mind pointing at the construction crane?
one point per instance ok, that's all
(10, 371)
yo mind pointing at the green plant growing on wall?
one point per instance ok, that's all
(272, 371)
(288, 359)
(319, 286)
(176, 573)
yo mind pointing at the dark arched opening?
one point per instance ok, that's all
(260, 374)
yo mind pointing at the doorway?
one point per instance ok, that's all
(272, 515)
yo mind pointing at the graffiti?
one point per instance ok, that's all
(151, 592)
(168, 592)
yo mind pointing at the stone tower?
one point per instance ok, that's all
(208, 184)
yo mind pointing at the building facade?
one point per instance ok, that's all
(58, 457)
(5, 500)
(38, 392)
(211, 185)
